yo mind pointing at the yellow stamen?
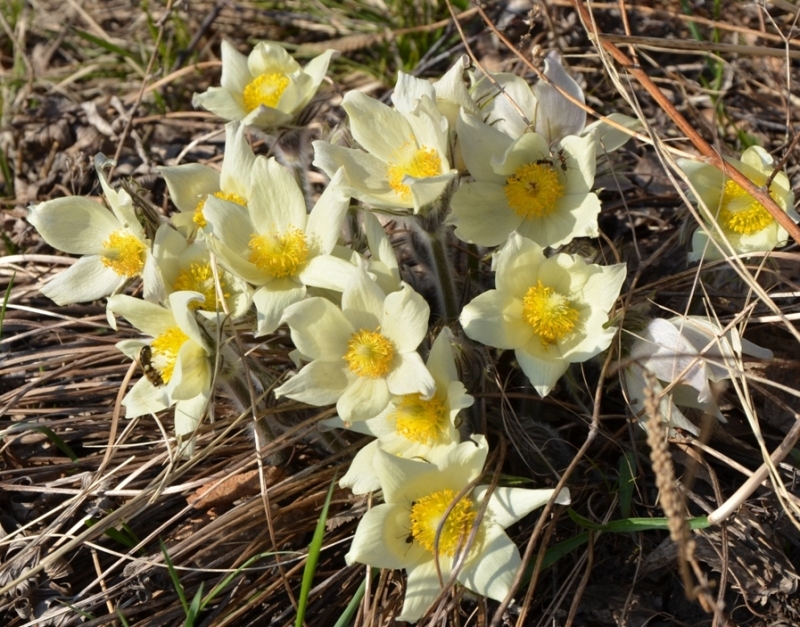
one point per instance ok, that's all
(421, 421)
(199, 277)
(165, 351)
(427, 513)
(533, 190)
(549, 313)
(280, 255)
(369, 354)
(425, 162)
(266, 90)
(200, 220)
(124, 253)
(740, 212)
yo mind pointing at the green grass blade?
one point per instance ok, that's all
(122, 618)
(313, 557)
(108, 46)
(628, 525)
(221, 586)
(627, 481)
(55, 439)
(195, 607)
(347, 616)
(174, 575)
(5, 304)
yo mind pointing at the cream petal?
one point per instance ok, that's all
(328, 272)
(149, 318)
(481, 214)
(192, 373)
(237, 162)
(221, 102)
(508, 505)
(441, 362)
(316, 69)
(267, 118)
(84, 281)
(364, 398)
(556, 116)
(495, 320)
(517, 264)
(74, 225)
(575, 215)
(153, 288)
(327, 217)
(277, 205)
(269, 56)
(608, 137)
(319, 329)
(465, 462)
(426, 190)
(365, 175)
(145, 399)
(319, 383)
(529, 148)
(479, 142)
(189, 414)
(179, 303)
(363, 302)
(405, 318)
(235, 73)
(492, 572)
(271, 301)
(635, 385)
(410, 376)
(366, 115)
(580, 160)
(188, 184)
(238, 265)
(168, 246)
(422, 588)
(380, 539)
(229, 223)
(409, 90)
(604, 285)
(504, 108)
(542, 373)
(360, 478)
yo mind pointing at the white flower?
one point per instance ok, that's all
(551, 312)
(401, 533)
(190, 184)
(412, 427)
(690, 352)
(113, 244)
(187, 266)
(405, 164)
(265, 89)
(178, 361)
(361, 354)
(275, 245)
(526, 186)
(745, 224)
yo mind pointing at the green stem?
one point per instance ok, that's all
(440, 260)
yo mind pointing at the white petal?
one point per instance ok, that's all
(269, 56)
(144, 399)
(508, 505)
(422, 588)
(542, 373)
(319, 383)
(492, 572)
(192, 374)
(608, 137)
(237, 162)
(235, 73)
(149, 318)
(495, 320)
(360, 477)
(409, 90)
(277, 204)
(316, 69)
(363, 302)
(479, 143)
(326, 218)
(179, 304)
(410, 376)
(405, 318)
(84, 281)
(74, 225)
(557, 116)
(221, 102)
(188, 184)
(189, 413)
(441, 362)
(366, 115)
(327, 272)
(229, 223)
(380, 539)
(319, 329)
(271, 301)
(481, 214)
(364, 398)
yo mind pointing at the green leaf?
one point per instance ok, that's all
(108, 46)
(347, 616)
(60, 444)
(628, 525)
(195, 607)
(627, 481)
(313, 557)
(5, 304)
(174, 576)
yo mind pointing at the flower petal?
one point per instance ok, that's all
(494, 319)
(74, 225)
(319, 329)
(481, 214)
(84, 281)
(319, 383)
(364, 398)
(271, 301)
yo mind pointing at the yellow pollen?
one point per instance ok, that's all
(369, 354)
(427, 513)
(165, 351)
(740, 212)
(421, 421)
(266, 90)
(279, 255)
(533, 190)
(424, 163)
(200, 220)
(124, 253)
(549, 313)
(199, 277)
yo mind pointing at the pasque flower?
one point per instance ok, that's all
(361, 354)
(539, 190)
(404, 164)
(275, 244)
(191, 183)
(551, 311)
(114, 246)
(411, 426)
(265, 89)
(402, 532)
(744, 222)
(691, 352)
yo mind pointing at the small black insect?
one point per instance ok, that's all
(150, 371)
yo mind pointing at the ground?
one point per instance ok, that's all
(101, 523)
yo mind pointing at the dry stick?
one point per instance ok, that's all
(761, 195)
(594, 428)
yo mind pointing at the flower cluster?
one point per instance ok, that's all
(499, 163)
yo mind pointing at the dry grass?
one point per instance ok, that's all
(87, 497)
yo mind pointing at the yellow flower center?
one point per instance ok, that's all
(740, 212)
(199, 277)
(124, 253)
(421, 421)
(369, 354)
(266, 90)
(549, 313)
(533, 190)
(200, 220)
(279, 255)
(424, 162)
(427, 513)
(165, 351)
